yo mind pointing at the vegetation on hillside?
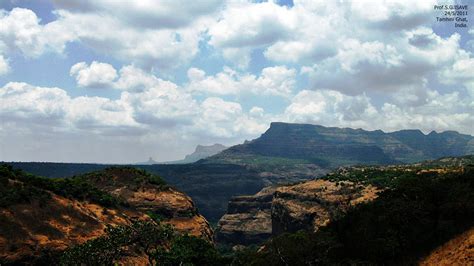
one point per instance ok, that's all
(19, 187)
(158, 242)
(417, 212)
(14, 192)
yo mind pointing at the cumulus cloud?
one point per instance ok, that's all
(328, 107)
(166, 40)
(151, 48)
(4, 66)
(290, 35)
(43, 106)
(226, 119)
(30, 104)
(21, 32)
(146, 14)
(460, 73)
(375, 66)
(95, 75)
(393, 15)
(248, 24)
(277, 80)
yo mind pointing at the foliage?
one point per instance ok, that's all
(129, 175)
(141, 236)
(12, 192)
(189, 250)
(157, 241)
(82, 187)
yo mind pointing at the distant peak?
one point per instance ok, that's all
(209, 147)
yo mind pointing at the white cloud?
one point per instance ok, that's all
(311, 31)
(95, 75)
(21, 31)
(329, 107)
(225, 119)
(135, 79)
(251, 24)
(461, 72)
(393, 15)
(25, 103)
(375, 66)
(146, 13)
(150, 48)
(166, 40)
(277, 81)
(164, 105)
(4, 66)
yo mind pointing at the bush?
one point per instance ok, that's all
(188, 250)
(141, 237)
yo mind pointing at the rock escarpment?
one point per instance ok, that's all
(248, 219)
(274, 210)
(313, 204)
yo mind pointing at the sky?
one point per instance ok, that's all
(118, 81)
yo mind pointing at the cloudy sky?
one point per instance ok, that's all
(118, 81)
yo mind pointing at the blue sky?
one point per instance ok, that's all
(116, 81)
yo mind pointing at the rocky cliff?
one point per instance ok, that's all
(41, 217)
(275, 210)
(248, 219)
(313, 204)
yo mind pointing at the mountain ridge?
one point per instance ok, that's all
(345, 146)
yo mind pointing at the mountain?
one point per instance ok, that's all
(111, 214)
(201, 152)
(330, 147)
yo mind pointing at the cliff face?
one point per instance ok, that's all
(275, 210)
(202, 152)
(313, 204)
(47, 222)
(248, 219)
